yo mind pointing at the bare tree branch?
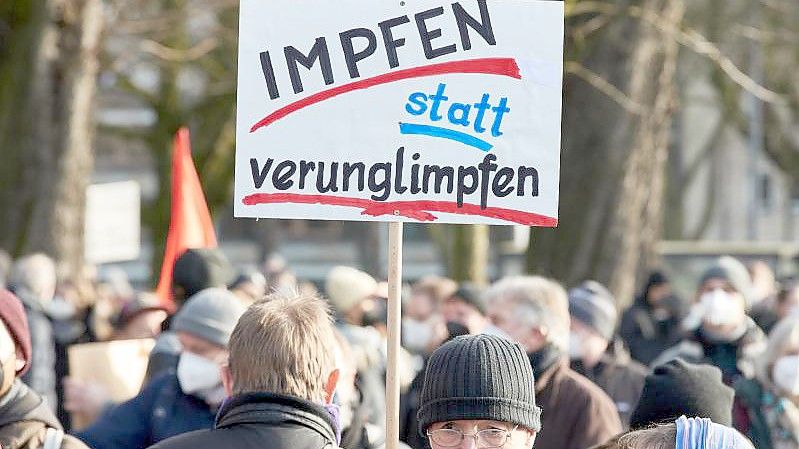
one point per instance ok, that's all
(602, 85)
(194, 53)
(699, 44)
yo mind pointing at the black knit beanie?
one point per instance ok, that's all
(679, 388)
(479, 377)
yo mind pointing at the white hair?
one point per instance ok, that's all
(34, 275)
(538, 303)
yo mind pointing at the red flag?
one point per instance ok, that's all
(190, 223)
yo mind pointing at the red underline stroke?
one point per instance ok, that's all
(487, 66)
(417, 210)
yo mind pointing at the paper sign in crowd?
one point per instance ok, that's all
(400, 110)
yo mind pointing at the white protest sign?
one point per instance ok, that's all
(112, 231)
(415, 110)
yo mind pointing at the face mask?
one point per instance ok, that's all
(786, 374)
(497, 332)
(199, 376)
(416, 335)
(721, 308)
(575, 346)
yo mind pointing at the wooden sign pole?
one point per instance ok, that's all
(394, 319)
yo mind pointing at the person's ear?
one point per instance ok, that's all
(530, 439)
(227, 379)
(19, 360)
(330, 385)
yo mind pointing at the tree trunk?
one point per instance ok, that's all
(50, 136)
(614, 157)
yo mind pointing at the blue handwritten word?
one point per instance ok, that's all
(459, 113)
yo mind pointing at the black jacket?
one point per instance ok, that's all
(646, 336)
(25, 418)
(262, 420)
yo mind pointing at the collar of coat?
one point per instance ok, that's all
(276, 409)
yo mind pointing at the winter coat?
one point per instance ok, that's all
(621, 378)
(164, 357)
(576, 414)
(25, 420)
(645, 335)
(263, 420)
(768, 420)
(735, 359)
(41, 376)
(161, 410)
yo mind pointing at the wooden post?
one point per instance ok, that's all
(394, 316)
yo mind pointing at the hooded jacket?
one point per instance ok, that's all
(25, 420)
(645, 335)
(258, 420)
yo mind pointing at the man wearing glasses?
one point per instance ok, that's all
(478, 393)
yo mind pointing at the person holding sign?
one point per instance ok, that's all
(479, 388)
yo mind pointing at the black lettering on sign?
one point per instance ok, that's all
(388, 38)
(281, 177)
(269, 75)
(351, 57)
(319, 52)
(428, 35)
(524, 173)
(259, 176)
(465, 21)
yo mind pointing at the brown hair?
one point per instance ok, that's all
(657, 437)
(284, 344)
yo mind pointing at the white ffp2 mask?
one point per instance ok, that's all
(197, 374)
(786, 374)
(721, 308)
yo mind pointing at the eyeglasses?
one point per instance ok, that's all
(487, 438)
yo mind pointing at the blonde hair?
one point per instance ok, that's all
(284, 344)
(538, 302)
(782, 339)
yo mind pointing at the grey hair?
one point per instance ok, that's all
(34, 275)
(538, 302)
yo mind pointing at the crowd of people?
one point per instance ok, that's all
(261, 359)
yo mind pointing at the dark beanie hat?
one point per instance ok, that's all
(679, 388)
(471, 295)
(201, 268)
(479, 377)
(593, 305)
(12, 314)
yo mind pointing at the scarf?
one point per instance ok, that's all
(543, 359)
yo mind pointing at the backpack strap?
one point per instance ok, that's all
(53, 438)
